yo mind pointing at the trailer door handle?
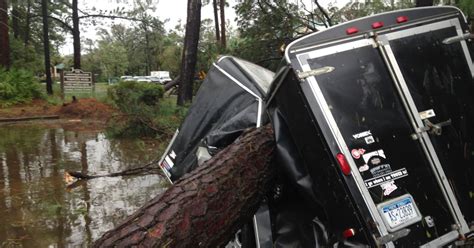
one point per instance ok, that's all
(459, 38)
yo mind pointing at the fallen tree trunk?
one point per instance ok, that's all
(171, 84)
(207, 206)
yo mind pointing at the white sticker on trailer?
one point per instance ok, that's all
(370, 183)
(368, 156)
(362, 134)
(172, 154)
(170, 163)
(427, 114)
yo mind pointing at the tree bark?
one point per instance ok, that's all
(15, 17)
(223, 29)
(189, 59)
(325, 14)
(216, 21)
(47, 62)
(76, 35)
(207, 206)
(26, 38)
(4, 38)
(422, 3)
(171, 84)
(147, 47)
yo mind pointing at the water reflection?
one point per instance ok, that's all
(36, 208)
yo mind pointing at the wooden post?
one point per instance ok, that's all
(61, 73)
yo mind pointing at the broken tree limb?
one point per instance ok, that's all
(207, 206)
(171, 84)
(145, 169)
(134, 171)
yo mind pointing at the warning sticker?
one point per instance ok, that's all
(386, 178)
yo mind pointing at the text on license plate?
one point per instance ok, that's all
(399, 212)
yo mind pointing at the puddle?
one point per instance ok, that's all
(36, 207)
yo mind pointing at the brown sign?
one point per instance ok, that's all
(77, 81)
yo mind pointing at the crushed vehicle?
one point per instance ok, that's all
(373, 123)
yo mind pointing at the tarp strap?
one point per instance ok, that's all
(260, 107)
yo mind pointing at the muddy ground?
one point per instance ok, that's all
(86, 108)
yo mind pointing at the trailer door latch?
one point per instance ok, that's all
(437, 128)
(393, 236)
(432, 128)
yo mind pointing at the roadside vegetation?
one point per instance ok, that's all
(18, 86)
(143, 112)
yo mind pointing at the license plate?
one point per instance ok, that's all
(399, 212)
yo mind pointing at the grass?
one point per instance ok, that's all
(170, 115)
(100, 94)
(145, 112)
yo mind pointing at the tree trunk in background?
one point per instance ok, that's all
(207, 206)
(15, 19)
(76, 35)
(4, 40)
(47, 62)
(223, 38)
(26, 39)
(421, 3)
(189, 59)
(216, 21)
(147, 52)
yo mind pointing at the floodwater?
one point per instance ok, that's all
(38, 209)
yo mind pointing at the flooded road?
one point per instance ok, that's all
(37, 209)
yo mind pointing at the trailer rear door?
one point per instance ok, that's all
(434, 71)
(356, 88)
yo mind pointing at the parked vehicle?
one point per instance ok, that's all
(373, 123)
(124, 78)
(155, 79)
(141, 79)
(163, 76)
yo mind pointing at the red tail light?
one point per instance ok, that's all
(376, 25)
(401, 19)
(348, 233)
(345, 168)
(352, 30)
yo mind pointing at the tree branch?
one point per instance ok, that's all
(110, 17)
(323, 11)
(64, 24)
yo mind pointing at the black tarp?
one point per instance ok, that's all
(229, 100)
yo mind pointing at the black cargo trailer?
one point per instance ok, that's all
(374, 123)
(374, 119)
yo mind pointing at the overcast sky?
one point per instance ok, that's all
(174, 10)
